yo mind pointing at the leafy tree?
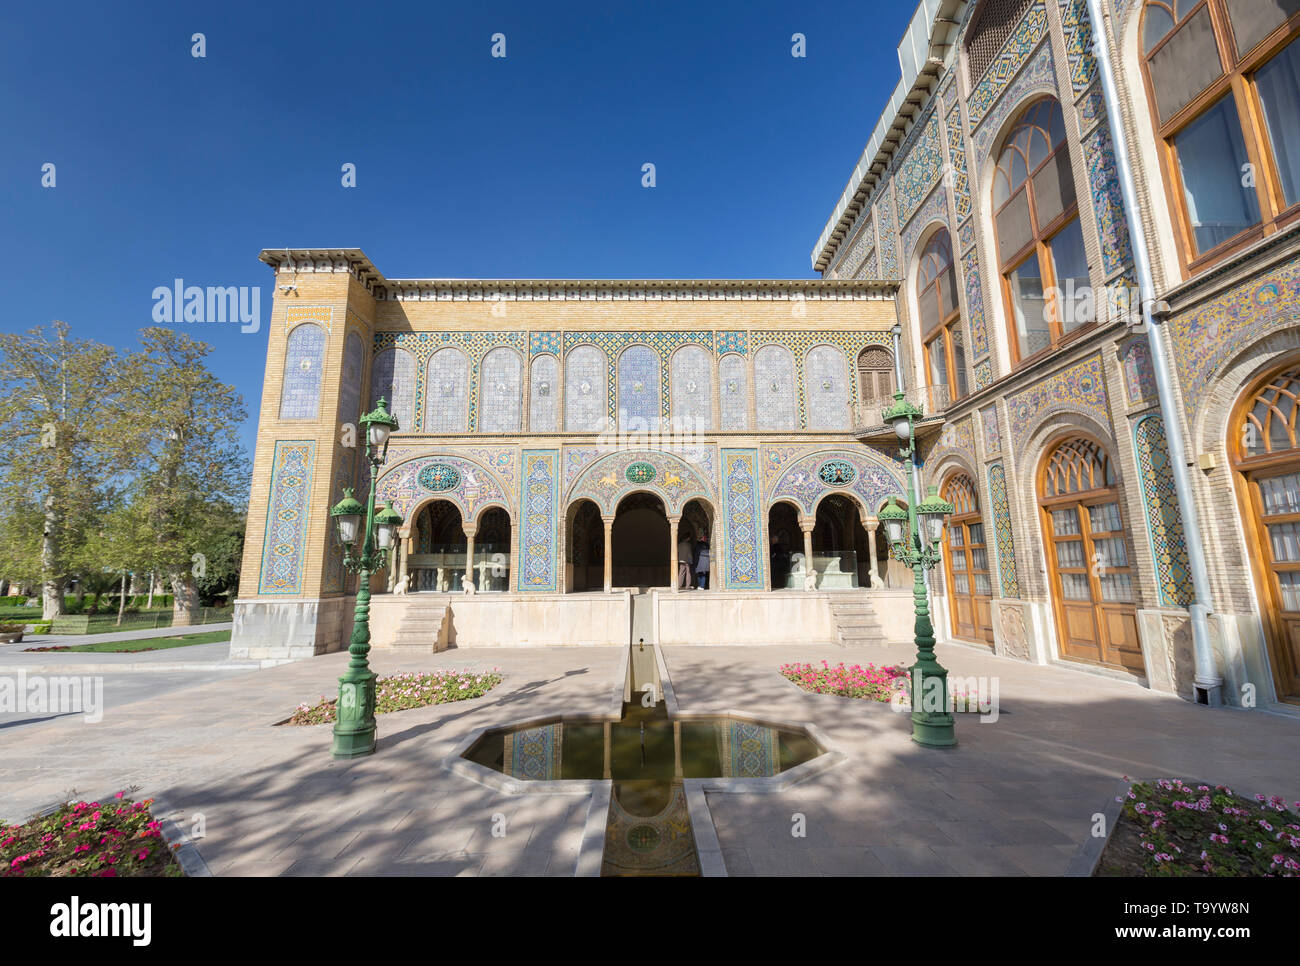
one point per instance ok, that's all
(61, 440)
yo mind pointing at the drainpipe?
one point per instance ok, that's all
(1207, 682)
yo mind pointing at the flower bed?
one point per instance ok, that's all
(88, 839)
(1168, 828)
(849, 681)
(414, 689)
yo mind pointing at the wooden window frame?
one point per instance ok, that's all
(1039, 246)
(943, 328)
(1238, 82)
(963, 521)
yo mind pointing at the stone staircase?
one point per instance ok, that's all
(855, 621)
(422, 625)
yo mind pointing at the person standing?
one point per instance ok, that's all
(685, 555)
(702, 563)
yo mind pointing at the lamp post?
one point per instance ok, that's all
(354, 724)
(914, 534)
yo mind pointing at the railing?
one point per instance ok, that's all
(934, 400)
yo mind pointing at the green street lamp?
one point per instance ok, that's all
(354, 724)
(914, 534)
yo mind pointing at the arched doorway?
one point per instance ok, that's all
(1267, 459)
(785, 542)
(640, 542)
(1088, 556)
(841, 555)
(492, 551)
(697, 523)
(436, 558)
(584, 549)
(966, 562)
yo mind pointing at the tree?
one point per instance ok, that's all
(192, 473)
(61, 439)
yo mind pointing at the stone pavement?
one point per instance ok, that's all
(1016, 797)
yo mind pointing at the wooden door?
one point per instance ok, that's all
(1090, 561)
(966, 559)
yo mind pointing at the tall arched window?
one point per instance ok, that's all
(1040, 244)
(1266, 453)
(1089, 560)
(1223, 77)
(966, 558)
(585, 404)
(501, 402)
(941, 329)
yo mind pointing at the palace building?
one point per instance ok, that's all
(1088, 234)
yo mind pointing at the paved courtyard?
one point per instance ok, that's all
(1016, 797)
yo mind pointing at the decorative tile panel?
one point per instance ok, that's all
(692, 389)
(354, 353)
(544, 395)
(638, 389)
(774, 388)
(662, 342)
(477, 486)
(321, 314)
(539, 536)
(1079, 389)
(992, 432)
(304, 366)
(826, 389)
(675, 479)
(921, 167)
(392, 378)
(956, 439)
(1092, 109)
(541, 342)
(733, 392)
(1078, 43)
(1107, 201)
(958, 180)
(801, 481)
(974, 285)
(744, 553)
(1004, 540)
(1164, 522)
(447, 386)
(585, 402)
(887, 248)
(502, 388)
(284, 547)
(862, 244)
(934, 211)
(1014, 53)
(1139, 376)
(1039, 75)
(966, 235)
(475, 344)
(733, 342)
(983, 374)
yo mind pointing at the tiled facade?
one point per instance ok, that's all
(1222, 329)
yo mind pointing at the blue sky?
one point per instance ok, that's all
(525, 167)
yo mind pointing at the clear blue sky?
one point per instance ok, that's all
(170, 166)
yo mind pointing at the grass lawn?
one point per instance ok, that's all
(147, 644)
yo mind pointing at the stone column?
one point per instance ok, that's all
(469, 556)
(872, 525)
(609, 553)
(672, 553)
(807, 529)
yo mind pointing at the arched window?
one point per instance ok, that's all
(446, 392)
(733, 391)
(692, 389)
(1266, 454)
(966, 558)
(304, 364)
(638, 389)
(826, 388)
(350, 383)
(876, 381)
(941, 329)
(1089, 560)
(1040, 244)
(543, 405)
(1224, 82)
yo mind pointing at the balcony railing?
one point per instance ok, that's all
(934, 400)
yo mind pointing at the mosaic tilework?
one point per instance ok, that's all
(638, 389)
(920, 169)
(500, 460)
(982, 374)
(956, 439)
(1164, 522)
(776, 459)
(613, 343)
(675, 480)
(887, 249)
(539, 535)
(1139, 377)
(733, 391)
(1027, 34)
(344, 476)
(578, 458)
(304, 366)
(446, 393)
(477, 487)
(1078, 43)
(585, 402)
(540, 342)
(744, 554)
(1039, 74)
(1079, 389)
(1092, 109)
(1207, 337)
(826, 389)
(748, 750)
(692, 388)
(800, 481)
(800, 341)
(544, 398)
(475, 344)
(322, 314)
(979, 333)
(392, 378)
(992, 432)
(935, 210)
(774, 388)
(284, 548)
(1005, 542)
(350, 383)
(535, 754)
(966, 235)
(861, 244)
(958, 179)
(1107, 201)
(732, 342)
(502, 385)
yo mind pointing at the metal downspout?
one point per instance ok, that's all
(1208, 683)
